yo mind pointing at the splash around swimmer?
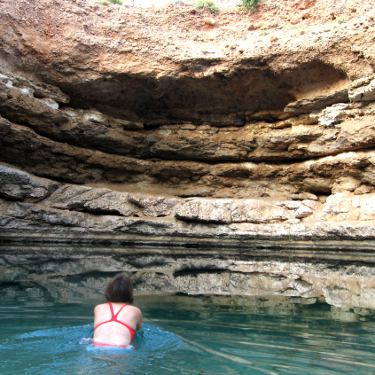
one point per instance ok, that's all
(117, 320)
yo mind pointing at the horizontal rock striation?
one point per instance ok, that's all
(76, 273)
(233, 159)
(189, 160)
(251, 247)
(45, 203)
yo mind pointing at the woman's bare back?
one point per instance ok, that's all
(115, 324)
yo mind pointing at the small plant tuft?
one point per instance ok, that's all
(209, 5)
(250, 4)
(107, 2)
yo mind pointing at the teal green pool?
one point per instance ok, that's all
(186, 335)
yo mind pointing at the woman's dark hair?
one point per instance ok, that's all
(120, 289)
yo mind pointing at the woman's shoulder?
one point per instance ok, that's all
(100, 306)
(128, 306)
(135, 309)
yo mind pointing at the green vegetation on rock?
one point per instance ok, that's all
(250, 4)
(107, 2)
(207, 4)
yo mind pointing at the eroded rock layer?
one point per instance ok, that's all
(253, 143)
(82, 272)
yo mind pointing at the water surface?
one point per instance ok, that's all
(186, 335)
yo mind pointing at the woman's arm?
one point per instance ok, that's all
(140, 318)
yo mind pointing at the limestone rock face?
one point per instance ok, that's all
(18, 185)
(76, 274)
(148, 128)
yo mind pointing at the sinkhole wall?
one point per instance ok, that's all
(234, 156)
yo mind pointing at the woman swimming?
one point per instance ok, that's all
(116, 321)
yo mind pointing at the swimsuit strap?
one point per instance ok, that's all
(112, 311)
(114, 319)
(130, 329)
(99, 324)
(118, 312)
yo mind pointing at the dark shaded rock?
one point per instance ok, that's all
(19, 185)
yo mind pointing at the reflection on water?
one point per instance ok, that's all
(186, 335)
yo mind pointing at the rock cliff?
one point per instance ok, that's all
(229, 155)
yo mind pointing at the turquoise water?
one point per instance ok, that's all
(185, 335)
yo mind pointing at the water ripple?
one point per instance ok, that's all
(201, 339)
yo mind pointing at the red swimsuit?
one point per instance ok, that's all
(114, 319)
